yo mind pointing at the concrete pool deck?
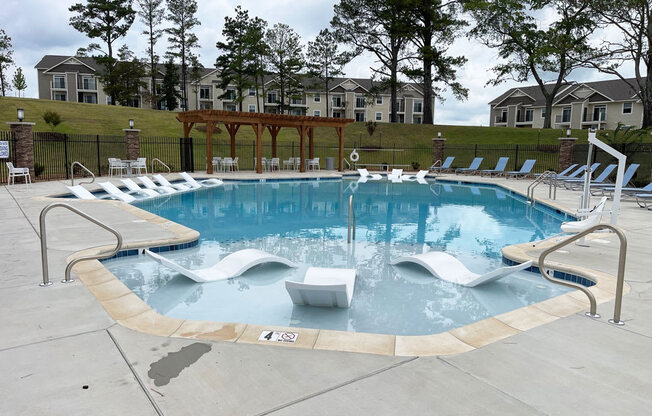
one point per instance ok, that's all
(55, 341)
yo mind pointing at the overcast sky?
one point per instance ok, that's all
(40, 27)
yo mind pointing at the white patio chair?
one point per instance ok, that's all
(139, 165)
(17, 173)
(274, 164)
(297, 163)
(227, 164)
(235, 164)
(116, 164)
(312, 164)
(217, 162)
(287, 164)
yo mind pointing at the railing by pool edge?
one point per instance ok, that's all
(72, 173)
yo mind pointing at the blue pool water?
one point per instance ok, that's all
(306, 222)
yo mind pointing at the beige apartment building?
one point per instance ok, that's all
(587, 105)
(76, 79)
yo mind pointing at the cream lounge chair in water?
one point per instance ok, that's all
(195, 184)
(134, 188)
(323, 287)
(116, 193)
(364, 174)
(395, 175)
(420, 177)
(450, 269)
(149, 184)
(230, 266)
(164, 182)
(81, 192)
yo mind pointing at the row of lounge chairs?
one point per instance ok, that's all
(396, 176)
(474, 168)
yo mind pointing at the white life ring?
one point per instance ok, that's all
(354, 156)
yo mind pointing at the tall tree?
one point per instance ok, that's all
(529, 49)
(285, 61)
(169, 93)
(381, 28)
(151, 13)
(129, 73)
(436, 25)
(6, 60)
(260, 52)
(325, 61)
(19, 82)
(182, 41)
(108, 20)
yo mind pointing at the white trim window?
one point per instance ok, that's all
(252, 108)
(205, 92)
(59, 81)
(628, 107)
(359, 116)
(337, 114)
(316, 97)
(543, 112)
(529, 115)
(359, 102)
(252, 92)
(417, 120)
(206, 105)
(566, 114)
(108, 100)
(230, 107)
(59, 96)
(417, 107)
(88, 83)
(379, 116)
(379, 100)
(316, 113)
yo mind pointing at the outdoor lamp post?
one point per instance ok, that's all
(568, 132)
(21, 114)
(439, 134)
(131, 123)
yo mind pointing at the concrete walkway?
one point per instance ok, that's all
(61, 354)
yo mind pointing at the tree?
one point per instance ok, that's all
(19, 82)
(626, 139)
(260, 51)
(528, 50)
(435, 27)
(285, 61)
(169, 93)
(151, 13)
(6, 60)
(181, 13)
(52, 119)
(108, 20)
(382, 28)
(325, 61)
(129, 73)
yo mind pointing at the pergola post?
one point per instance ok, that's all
(273, 130)
(187, 127)
(210, 125)
(232, 128)
(340, 136)
(302, 151)
(311, 147)
(258, 128)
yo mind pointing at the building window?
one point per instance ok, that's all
(88, 83)
(627, 107)
(162, 105)
(316, 113)
(359, 102)
(416, 120)
(379, 100)
(529, 114)
(59, 81)
(133, 102)
(230, 94)
(600, 113)
(108, 100)
(252, 108)
(566, 115)
(417, 107)
(296, 112)
(359, 116)
(503, 116)
(337, 102)
(252, 92)
(316, 98)
(271, 97)
(379, 116)
(543, 112)
(230, 107)
(90, 98)
(205, 105)
(337, 114)
(205, 92)
(297, 100)
(60, 96)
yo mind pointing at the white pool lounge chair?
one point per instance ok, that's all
(412, 178)
(134, 188)
(364, 173)
(149, 184)
(323, 287)
(230, 266)
(593, 217)
(395, 175)
(450, 269)
(164, 182)
(115, 192)
(195, 184)
(81, 192)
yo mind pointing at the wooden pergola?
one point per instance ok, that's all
(232, 121)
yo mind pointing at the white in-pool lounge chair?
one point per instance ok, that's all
(164, 182)
(395, 175)
(323, 287)
(364, 173)
(115, 192)
(450, 269)
(195, 184)
(134, 188)
(230, 266)
(593, 217)
(149, 184)
(419, 177)
(81, 192)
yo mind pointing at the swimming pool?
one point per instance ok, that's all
(306, 222)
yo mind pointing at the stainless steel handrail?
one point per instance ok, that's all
(161, 162)
(351, 214)
(553, 182)
(72, 173)
(347, 163)
(620, 281)
(44, 247)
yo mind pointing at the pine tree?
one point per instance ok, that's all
(151, 13)
(285, 61)
(169, 93)
(6, 60)
(19, 82)
(129, 73)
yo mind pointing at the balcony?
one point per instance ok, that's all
(499, 120)
(337, 103)
(298, 102)
(561, 120)
(87, 85)
(57, 85)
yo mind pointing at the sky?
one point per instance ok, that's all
(40, 27)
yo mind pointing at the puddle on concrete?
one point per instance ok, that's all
(170, 366)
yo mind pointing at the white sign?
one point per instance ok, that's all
(4, 150)
(278, 336)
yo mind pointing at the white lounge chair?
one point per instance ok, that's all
(134, 188)
(593, 217)
(164, 182)
(15, 172)
(450, 269)
(323, 287)
(395, 175)
(147, 183)
(81, 192)
(364, 173)
(195, 184)
(230, 266)
(116, 193)
(412, 178)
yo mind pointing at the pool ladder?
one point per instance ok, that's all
(161, 162)
(351, 224)
(72, 173)
(552, 186)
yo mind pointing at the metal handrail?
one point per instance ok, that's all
(553, 182)
(161, 162)
(347, 163)
(434, 165)
(351, 214)
(72, 173)
(620, 281)
(44, 247)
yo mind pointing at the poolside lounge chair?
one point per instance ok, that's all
(15, 172)
(134, 188)
(116, 193)
(473, 167)
(147, 182)
(446, 166)
(627, 177)
(498, 170)
(629, 191)
(395, 175)
(593, 217)
(81, 192)
(448, 268)
(564, 172)
(574, 183)
(644, 200)
(419, 177)
(230, 266)
(364, 173)
(195, 184)
(576, 173)
(525, 169)
(164, 182)
(323, 287)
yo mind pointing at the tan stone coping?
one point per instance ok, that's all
(132, 312)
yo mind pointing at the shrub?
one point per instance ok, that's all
(371, 127)
(52, 118)
(38, 169)
(416, 165)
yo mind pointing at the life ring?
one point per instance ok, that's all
(354, 156)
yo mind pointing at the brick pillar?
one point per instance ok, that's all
(566, 152)
(24, 145)
(131, 143)
(438, 149)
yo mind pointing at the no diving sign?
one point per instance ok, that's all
(278, 336)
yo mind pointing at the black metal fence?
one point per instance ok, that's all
(5, 136)
(639, 153)
(546, 156)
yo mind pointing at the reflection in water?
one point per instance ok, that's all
(307, 225)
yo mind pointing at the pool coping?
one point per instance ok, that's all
(128, 310)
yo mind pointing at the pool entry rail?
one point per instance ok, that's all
(351, 226)
(72, 173)
(621, 270)
(552, 185)
(161, 162)
(44, 247)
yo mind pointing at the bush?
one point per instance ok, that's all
(38, 169)
(416, 165)
(52, 118)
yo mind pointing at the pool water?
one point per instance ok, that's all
(306, 222)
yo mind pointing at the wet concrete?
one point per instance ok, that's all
(170, 366)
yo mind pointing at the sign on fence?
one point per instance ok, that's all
(4, 150)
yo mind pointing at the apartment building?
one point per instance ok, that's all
(578, 105)
(76, 79)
